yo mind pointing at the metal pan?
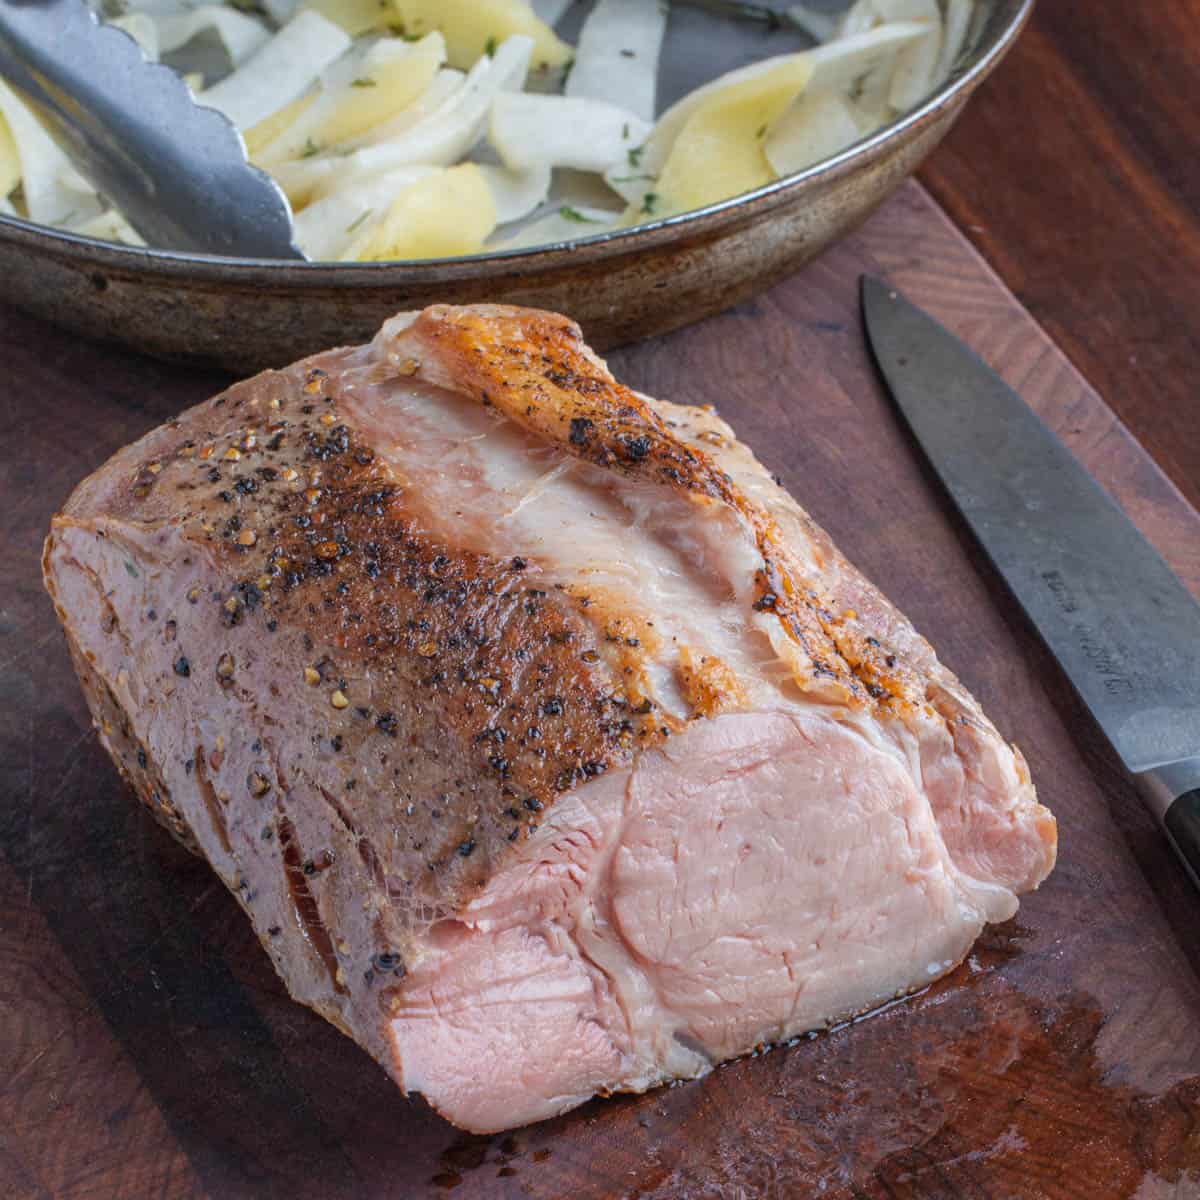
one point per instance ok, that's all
(245, 314)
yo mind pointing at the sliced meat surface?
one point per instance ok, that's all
(548, 744)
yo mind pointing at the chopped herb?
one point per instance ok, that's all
(362, 216)
(628, 54)
(630, 178)
(649, 203)
(625, 132)
(761, 132)
(311, 149)
(635, 156)
(133, 571)
(365, 81)
(573, 214)
(490, 47)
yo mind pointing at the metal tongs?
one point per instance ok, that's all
(177, 170)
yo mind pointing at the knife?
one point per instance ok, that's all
(1123, 628)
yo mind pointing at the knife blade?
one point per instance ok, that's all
(1124, 629)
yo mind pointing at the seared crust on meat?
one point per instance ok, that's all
(535, 369)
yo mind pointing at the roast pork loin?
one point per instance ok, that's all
(550, 747)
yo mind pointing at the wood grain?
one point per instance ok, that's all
(149, 1050)
(1076, 170)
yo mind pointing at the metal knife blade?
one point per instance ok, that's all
(1121, 625)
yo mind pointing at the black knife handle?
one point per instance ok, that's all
(1182, 823)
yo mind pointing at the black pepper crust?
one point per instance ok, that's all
(472, 635)
(405, 641)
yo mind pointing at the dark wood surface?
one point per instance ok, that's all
(148, 1050)
(1076, 170)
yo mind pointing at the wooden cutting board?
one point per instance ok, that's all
(148, 1050)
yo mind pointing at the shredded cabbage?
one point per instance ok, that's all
(617, 56)
(281, 71)
(562, 131)
(45, 198)
(240, 35)
(565, 224)
(516, 194)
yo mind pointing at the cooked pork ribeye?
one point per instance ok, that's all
(548, 744)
